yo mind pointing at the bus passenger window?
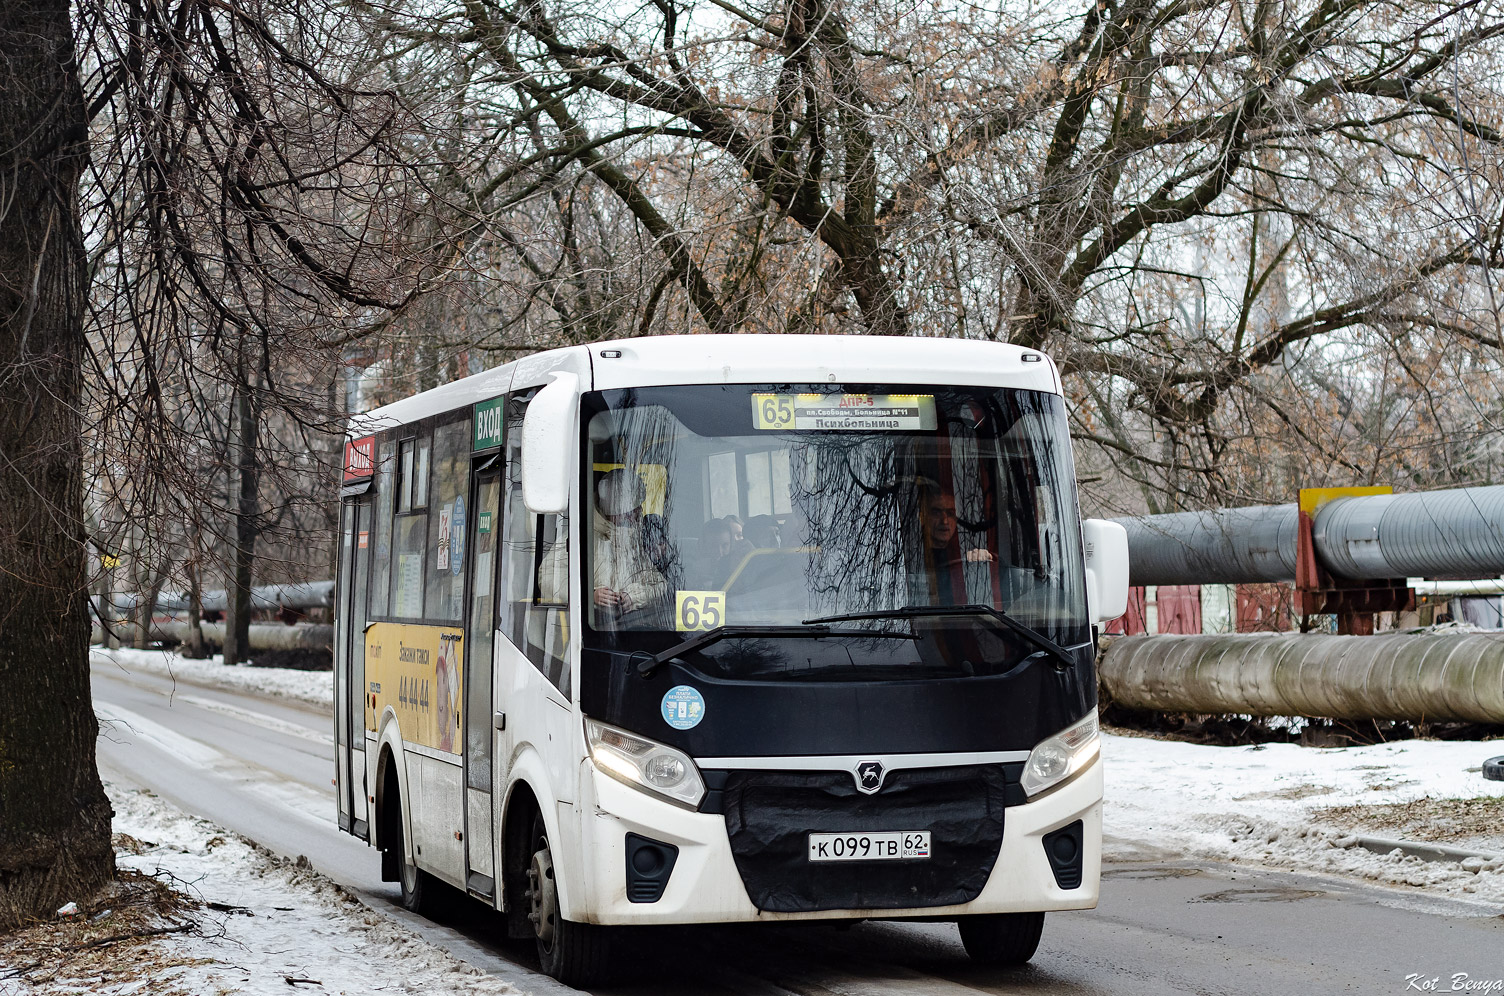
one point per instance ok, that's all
(535, 570)
(447, 522)
(721, 479)
(407, 575)
(381, 531)
(410, 530)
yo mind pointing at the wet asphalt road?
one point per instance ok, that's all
(1165, 926)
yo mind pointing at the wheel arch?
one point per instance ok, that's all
(391, 798)
(527, 795)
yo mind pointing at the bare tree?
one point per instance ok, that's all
(54, 817)
(252, 212)
(241, 220)
(1198, 208)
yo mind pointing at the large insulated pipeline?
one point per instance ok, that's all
(1440, 677)
(1458, 533)
(263, 636)
(264, 598)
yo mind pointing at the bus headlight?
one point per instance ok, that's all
(644, 763)
(1055, 759)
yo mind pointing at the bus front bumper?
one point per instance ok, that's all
(706, 886)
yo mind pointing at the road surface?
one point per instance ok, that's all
(1165, 926)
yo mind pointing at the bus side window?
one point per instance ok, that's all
(381, 531)
(410, 530)
(447, 522)
(535, 548)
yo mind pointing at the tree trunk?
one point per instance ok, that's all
(247, 528)
(193, 646)
(54, 817)
(146, 607)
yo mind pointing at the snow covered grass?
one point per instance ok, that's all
(257, 925)
(1287, 806)
(313, 687)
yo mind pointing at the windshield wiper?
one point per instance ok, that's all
(997, 616)
(705, 639)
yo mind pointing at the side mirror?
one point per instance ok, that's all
(548, 437)
(1106, 546)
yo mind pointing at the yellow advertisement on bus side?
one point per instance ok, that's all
(416, 670)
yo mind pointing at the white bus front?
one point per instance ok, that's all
(836, 658)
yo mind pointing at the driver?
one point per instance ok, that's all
(943, 557)
(625, 578)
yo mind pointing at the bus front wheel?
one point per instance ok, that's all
(1001, 938)
(577, 954)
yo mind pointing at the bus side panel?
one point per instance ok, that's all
(413, 673)
(545, 744)
(438, 815)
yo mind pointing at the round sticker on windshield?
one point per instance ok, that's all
(683, 707)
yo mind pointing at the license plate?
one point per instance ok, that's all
(894, 845)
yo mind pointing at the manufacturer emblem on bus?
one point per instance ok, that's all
(869, 776)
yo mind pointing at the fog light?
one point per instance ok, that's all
(649, 865)
(1064, 849)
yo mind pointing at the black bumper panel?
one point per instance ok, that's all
(769, 815)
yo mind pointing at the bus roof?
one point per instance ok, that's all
(744, 359)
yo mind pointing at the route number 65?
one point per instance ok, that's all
(699, 610)
(773, 411)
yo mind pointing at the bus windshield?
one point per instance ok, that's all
(766, 506)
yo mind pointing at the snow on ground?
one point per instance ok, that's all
(273, 928)
(313, 687)
(1287, 806)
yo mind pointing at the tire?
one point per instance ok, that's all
(421, 892)
(1493, 769)
(577, 954)
(1001, 938)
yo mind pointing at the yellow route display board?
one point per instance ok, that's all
(415, 670)
(865, 412)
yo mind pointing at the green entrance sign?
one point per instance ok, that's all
(487, 422)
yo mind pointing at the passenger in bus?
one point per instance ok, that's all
(713, 562)
(762, 532)
(740, 546)
(626, 579)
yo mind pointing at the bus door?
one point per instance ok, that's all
(350, 673)
(482, 722)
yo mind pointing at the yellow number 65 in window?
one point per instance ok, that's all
(699, 610)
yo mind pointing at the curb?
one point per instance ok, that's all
(1426, 852)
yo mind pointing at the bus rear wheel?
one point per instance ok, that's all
(421, 892)
(1001, 938)
(577, 954)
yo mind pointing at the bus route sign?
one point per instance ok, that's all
(861, 412)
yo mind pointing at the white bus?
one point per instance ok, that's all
(699, 629)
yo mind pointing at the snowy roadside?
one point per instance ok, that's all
(1308, 808)
(1275, 805)
(254, 924)
(314, 688)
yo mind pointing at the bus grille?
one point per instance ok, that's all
(769, 815)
